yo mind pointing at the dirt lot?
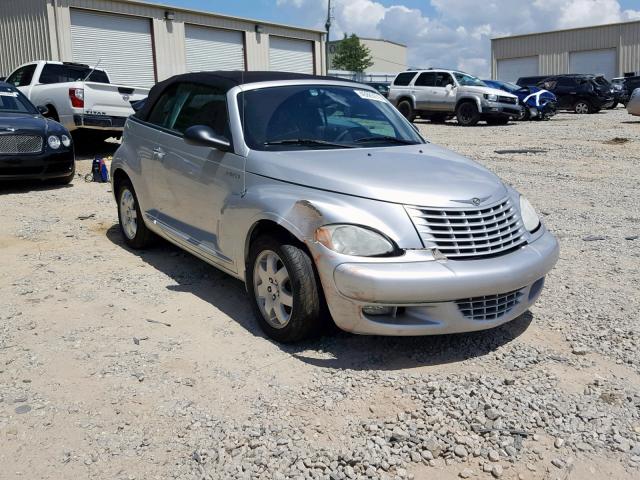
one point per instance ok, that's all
(117, 364)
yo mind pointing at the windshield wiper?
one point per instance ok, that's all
(385, 138)
(306, 141)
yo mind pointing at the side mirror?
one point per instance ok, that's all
(43, 110)
(203, 136)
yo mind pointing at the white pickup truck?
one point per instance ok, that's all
(77, 95)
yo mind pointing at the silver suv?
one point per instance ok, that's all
(326, 202)
(442, 94)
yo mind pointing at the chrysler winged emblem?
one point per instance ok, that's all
(475, 201)
(9, 129)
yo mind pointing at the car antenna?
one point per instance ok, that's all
(92, 70)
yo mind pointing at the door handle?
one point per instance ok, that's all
(159, 153)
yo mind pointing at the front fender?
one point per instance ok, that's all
(301, 210)
(477, 101)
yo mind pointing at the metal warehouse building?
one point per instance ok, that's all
(612, 50)
(140, 43)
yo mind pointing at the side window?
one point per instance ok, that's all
(443, 79)
(22, 76)
(161, 112)
(404, 79)
(204, 106)
(426, 79)
(565, 82)
(52, 73)
(186, 105)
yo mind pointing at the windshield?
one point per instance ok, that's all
(15, 102)
(321, 116)
(467, 80)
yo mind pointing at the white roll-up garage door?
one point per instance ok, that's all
(290, 55)
(213, 49)
(121, 43)
(510, 69)
(600, 62)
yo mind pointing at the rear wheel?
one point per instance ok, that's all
(582, 107)
(467, 114)
(406, 109)
(283, 285)
(132, 225)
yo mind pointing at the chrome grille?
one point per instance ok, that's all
(13, 144)
(468, 233)
(511, 100)
(489, 307)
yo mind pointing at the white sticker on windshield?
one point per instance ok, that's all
(8, 94)
(368, 95)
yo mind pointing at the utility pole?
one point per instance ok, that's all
(326, 45)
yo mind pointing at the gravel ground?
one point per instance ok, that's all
(117, 364)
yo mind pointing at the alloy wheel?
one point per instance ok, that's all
(272, 289)
(582, 108)
(128, 214)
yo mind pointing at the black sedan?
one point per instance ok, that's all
(32, 146)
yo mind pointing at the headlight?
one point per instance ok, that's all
(529, 215)
(66, 141)
(491, 97)
(353, 240)
(54, 142)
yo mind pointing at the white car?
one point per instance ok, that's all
(77, 95)
(442, 94)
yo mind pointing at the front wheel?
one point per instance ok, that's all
(582, 107)
(467, 114)
(284, 288)
(525, 114)
(135, 232)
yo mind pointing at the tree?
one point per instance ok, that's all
(352, 55)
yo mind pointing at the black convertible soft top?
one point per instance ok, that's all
(225, 80)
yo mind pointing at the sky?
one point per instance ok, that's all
(438, 33)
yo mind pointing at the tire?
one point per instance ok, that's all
(497, 121)
(406, 110)
(137, 236)
(64, 180)
(582, 107)
(271, 260)
(438, 119)
(53, 113)
(467, 114)
(525, 115)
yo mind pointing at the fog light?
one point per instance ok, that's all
(378, 310)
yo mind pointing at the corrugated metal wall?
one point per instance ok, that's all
(24, 33)
(553, 48)
(169, 40)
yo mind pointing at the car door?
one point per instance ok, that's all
(423, 91)
(444, 96)
(194, 184)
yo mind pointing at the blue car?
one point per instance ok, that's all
(537, 103)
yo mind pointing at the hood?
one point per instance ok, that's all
(422, 175)
(22, 123)
(487, 90)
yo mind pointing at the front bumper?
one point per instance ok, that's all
(426, 295)
(495, 109)
(102, 122)
(40, 166)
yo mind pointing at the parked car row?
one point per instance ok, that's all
(439, 95)
(76, 95)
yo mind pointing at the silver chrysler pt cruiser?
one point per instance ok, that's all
(326, 202)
